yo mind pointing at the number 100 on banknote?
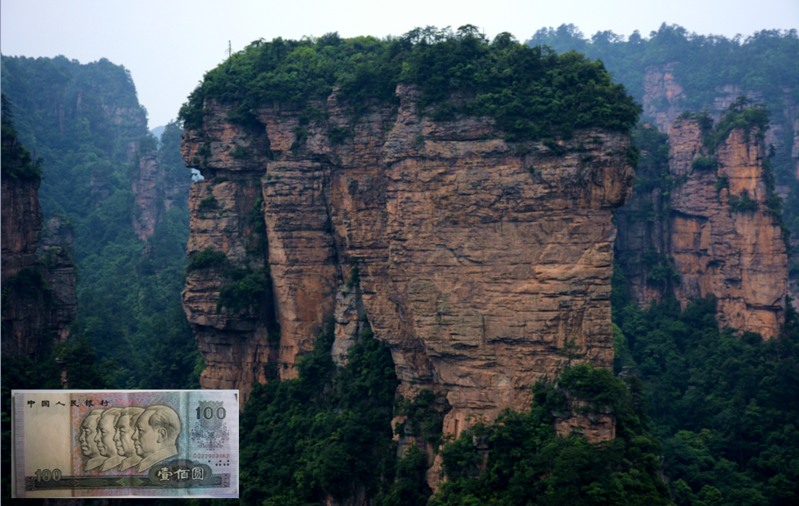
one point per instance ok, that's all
(132, 443)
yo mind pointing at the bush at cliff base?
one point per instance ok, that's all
(724, 406)
(528, 463)
(327, 435)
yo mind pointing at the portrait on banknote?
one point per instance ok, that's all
(125, 443)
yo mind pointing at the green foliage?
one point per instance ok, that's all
(410, 486)
(424, 417)
(83, 119)
(633, 156)
(247, 289)
(721, 183)
(204, 151)
(148, 143)
(652, 167)
(207, 258)
(327, 432)
(527, 463)
(257, 217)
(27, 283)
(531, 92)
(355, 276)
(207, 203)
(300, 136)
(741, 114)
(663, 275)
(742, 203)
(704, 163)
(554, 147)
(338, 135)
(240, 153)
(17, 162)
(725, 407)
(645, 211)
(176, 361)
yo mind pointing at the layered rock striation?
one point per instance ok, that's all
(160, 183)
(712, 232)
(39, 300)
(484, 265)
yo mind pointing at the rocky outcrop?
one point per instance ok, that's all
(665, 98)
(39, 301)
(585, 418)
(485, 266)
(663, 95)
(738, 256)
(148, 204)
(714, 229)
(161, 182)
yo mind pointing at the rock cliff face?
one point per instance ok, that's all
(664, 99)
(148, 207)
(39, 301)
(737, 254)
(159, 184)
(485, 266)
(662, 95)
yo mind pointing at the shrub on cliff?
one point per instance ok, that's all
(743, 114)
(743, 203)
(247, 289)
(528, 464)
(206, 258)
(531, 92)
(704, 163)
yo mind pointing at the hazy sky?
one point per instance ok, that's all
(169, 44)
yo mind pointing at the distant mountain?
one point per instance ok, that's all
(125, 197)
(157, 131)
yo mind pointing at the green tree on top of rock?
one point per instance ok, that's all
(531, 92)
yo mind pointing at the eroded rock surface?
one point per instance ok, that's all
(485, 266)
(663, 95)
(737, 255)
(39, 300)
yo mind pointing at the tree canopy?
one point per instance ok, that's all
(531, 92)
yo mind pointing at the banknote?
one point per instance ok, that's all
(125, 443)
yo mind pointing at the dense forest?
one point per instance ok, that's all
(704, 416)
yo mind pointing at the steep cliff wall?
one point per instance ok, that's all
(161, 180)
(663, 95)
(484, 265)
(710, 232)
(39, 302)
(148, 204)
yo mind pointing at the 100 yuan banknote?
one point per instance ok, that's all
(112, 443)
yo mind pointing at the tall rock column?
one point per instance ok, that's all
(722, 237)
(484, 265)
(39, 301)
(226, 244)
